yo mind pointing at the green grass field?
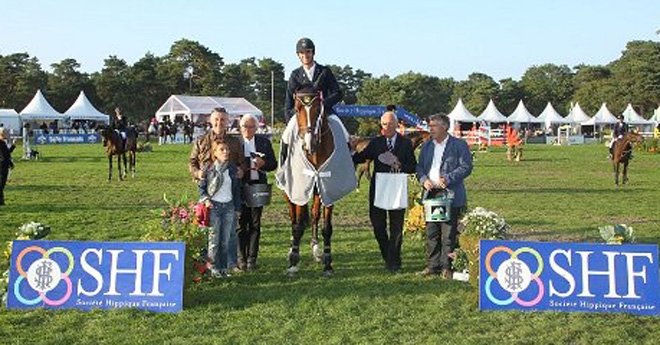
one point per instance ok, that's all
(555, 194)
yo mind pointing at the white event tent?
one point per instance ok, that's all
(656, 116)
(550, 116)
(631, 117)
(577, 115)
(10, 119)
(198, 108)
(40, 110)
(82, 109)
(602, 117)
(491, 114)
(460, 114)
(522, 115)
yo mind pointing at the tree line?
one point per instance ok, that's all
(191, 68)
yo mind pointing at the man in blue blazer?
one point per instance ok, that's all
(444, 162)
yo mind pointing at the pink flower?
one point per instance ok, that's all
(183, 214)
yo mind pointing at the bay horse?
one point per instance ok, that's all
(114, 146)
(318, 144)
(622, 150)
(188, 132)
(364, 169)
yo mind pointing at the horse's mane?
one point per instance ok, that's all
(307, 88)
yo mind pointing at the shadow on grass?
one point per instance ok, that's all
(250, 289)
(99, 158)
(509, 191)
(358, 275)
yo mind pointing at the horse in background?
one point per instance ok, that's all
(364, 169)
(622, 152)
(115, 145)
(188, 132)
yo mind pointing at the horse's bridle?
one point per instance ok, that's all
(307, 100)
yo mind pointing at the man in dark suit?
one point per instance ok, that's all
(310, 72)
(389, 151)
(260, 158)
(444, 162)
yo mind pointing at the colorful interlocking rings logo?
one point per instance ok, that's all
(514, 276)
(43, 275)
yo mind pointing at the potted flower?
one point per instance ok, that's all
(617, 234)
(179, 220)
(27, 231)
(479, 224)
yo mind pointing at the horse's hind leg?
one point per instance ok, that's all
(109, 168)
(316, 216)
(132, 157)
(327, 236)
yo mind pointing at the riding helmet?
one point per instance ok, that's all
(304, 44)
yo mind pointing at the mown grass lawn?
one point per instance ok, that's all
(555, 194)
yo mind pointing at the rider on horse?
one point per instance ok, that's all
(320, 78)
(120, 124)
(620, 129)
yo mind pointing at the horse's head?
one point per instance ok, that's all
(310, 117)
(633, 137)
(418, 137)
(105, 132)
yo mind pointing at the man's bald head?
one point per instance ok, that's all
(388, 123)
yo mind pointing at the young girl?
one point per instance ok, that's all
(220, 192)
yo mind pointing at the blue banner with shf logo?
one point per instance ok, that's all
(574, 277)
(104, 275)
(45, 139)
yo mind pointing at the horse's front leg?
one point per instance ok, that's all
(125, 165)
(625, 173)
(316, 216)
(298, 225)
(121, 176)
(327, 245)
(615, 167)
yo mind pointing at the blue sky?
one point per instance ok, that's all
(441, 38)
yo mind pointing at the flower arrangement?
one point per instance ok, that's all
(617, 234)
(478, 224)
(485, 224)
(179, 221)
(144, 147)
(460, 260)
(27, 231)
(415, 223)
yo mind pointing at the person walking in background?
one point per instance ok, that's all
(219, 190)
(5, 162)
(444, 162)
(390, 152)
(260, 158)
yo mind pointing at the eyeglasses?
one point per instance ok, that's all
(249, 127)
